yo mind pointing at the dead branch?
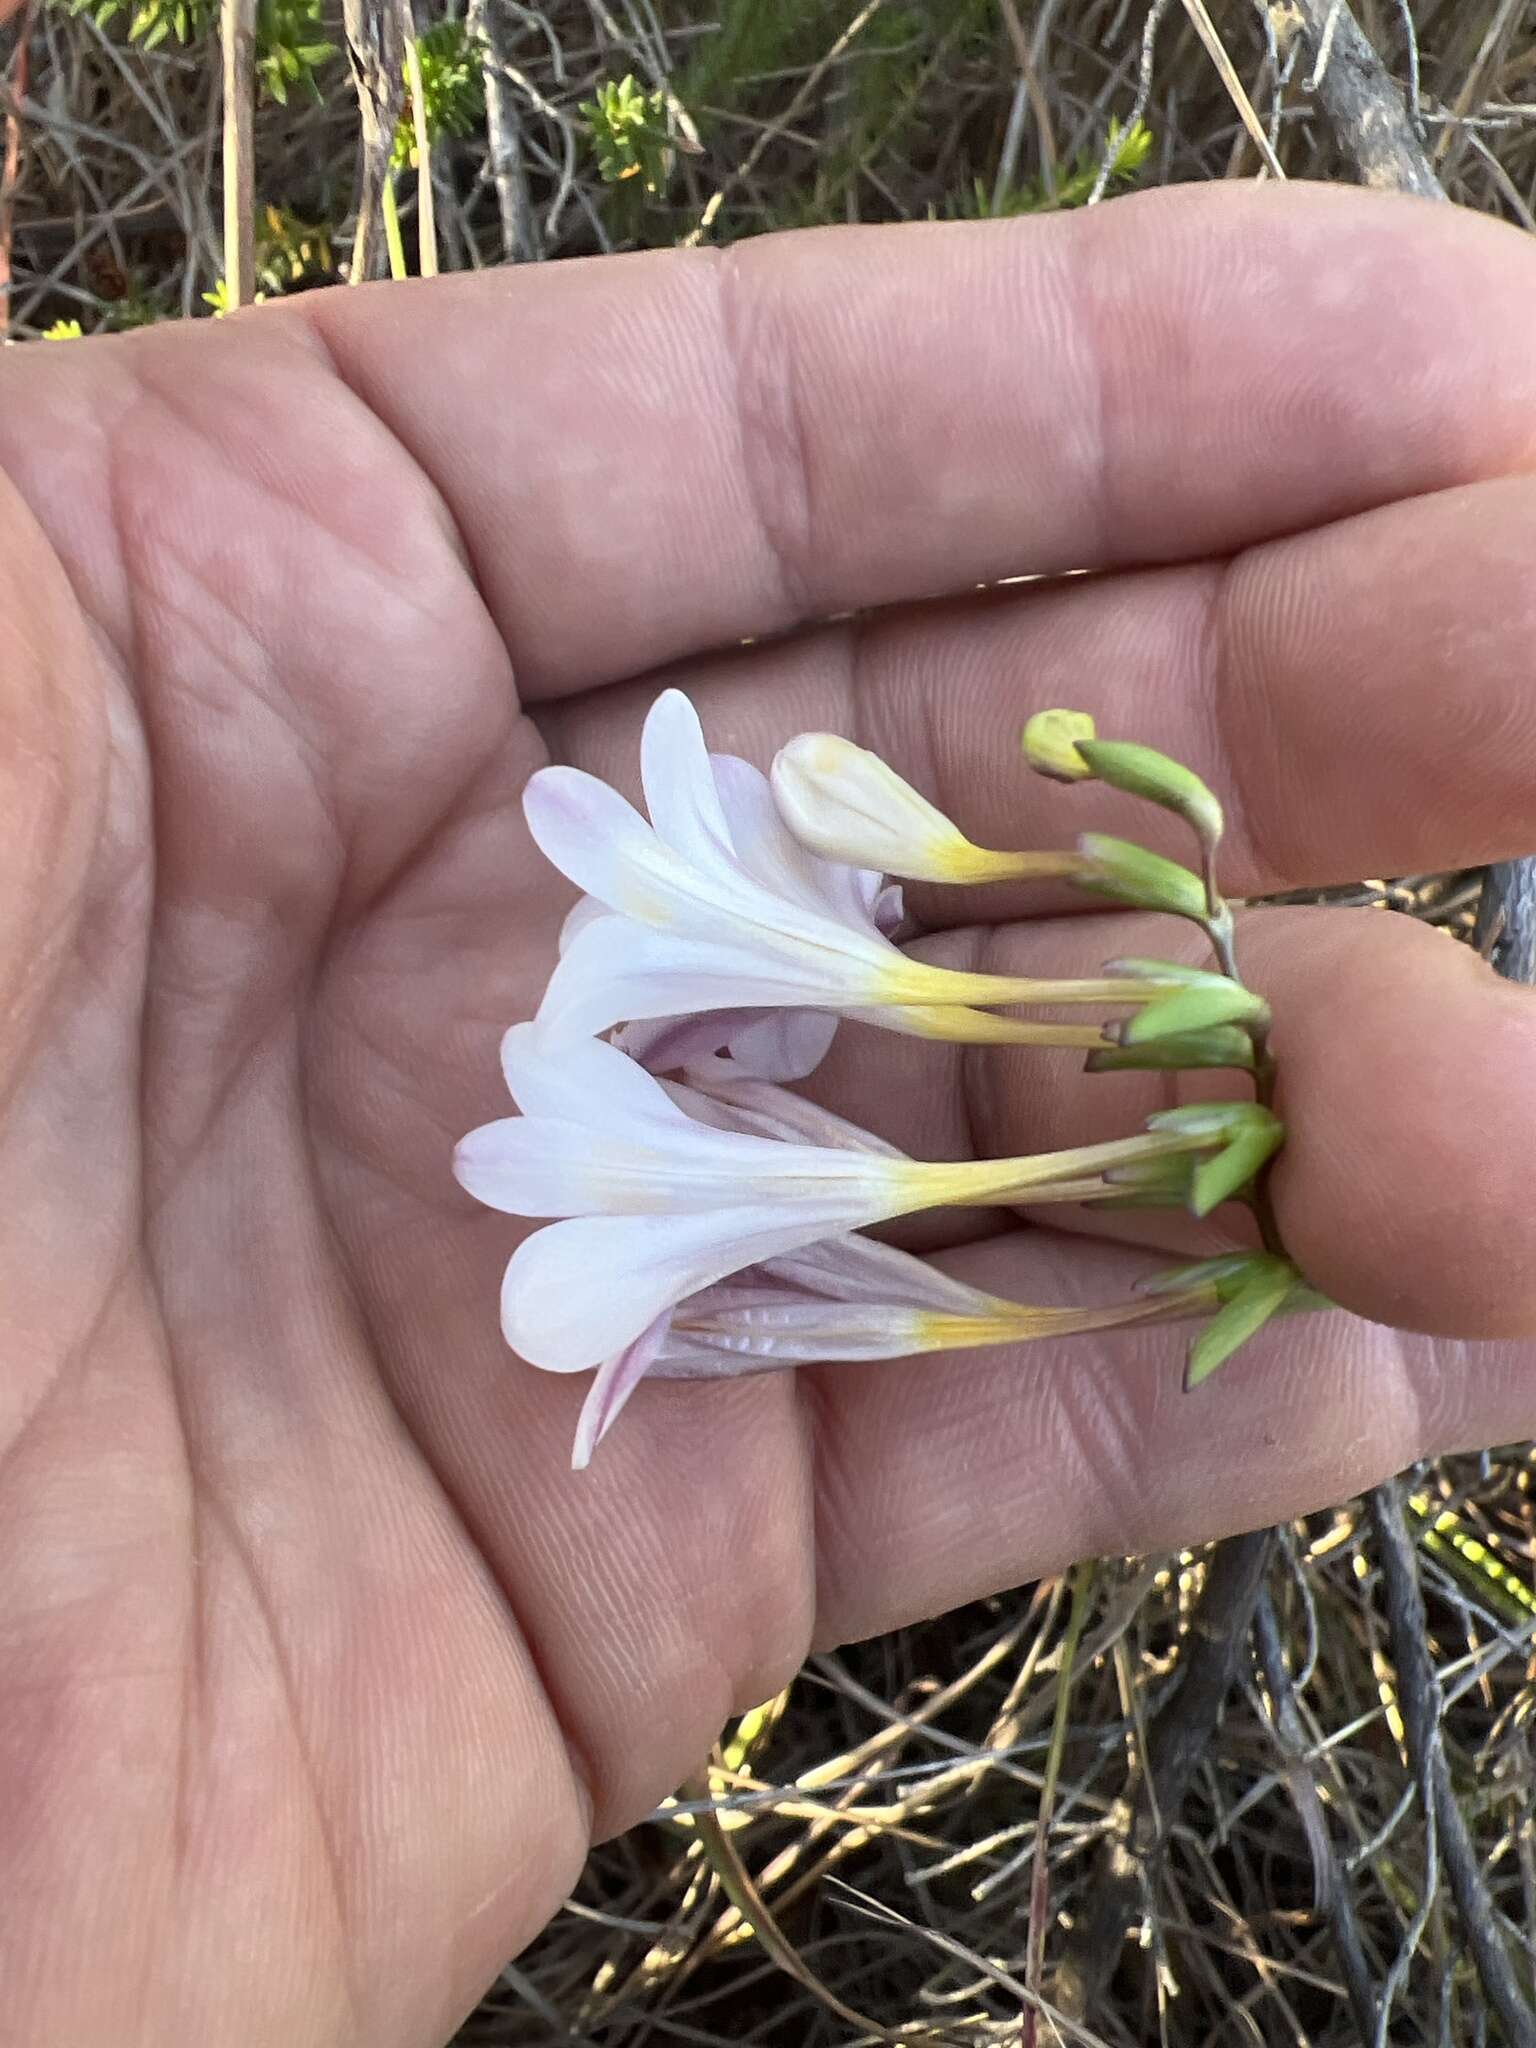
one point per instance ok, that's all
(1177, 1742)
(1422, 1707)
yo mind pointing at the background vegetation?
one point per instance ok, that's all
(920, 1830)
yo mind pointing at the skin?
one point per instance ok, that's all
(318, 1669)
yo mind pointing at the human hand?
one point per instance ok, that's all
(320, 1669)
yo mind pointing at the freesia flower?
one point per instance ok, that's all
(843, 1299)
(714, 906)
(845, 803)
(664, 1192)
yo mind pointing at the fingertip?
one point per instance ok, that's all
(1405, 1190)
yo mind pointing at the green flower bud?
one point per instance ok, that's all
(1144, 772)
(1195, 1009)
(1146, 881)
(1051, 740)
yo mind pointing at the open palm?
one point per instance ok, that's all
(319, 1668)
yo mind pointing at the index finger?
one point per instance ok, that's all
(652, 455)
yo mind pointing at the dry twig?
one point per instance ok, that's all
(237, 30)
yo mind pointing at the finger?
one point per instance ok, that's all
(939, 1480)
(652, 456)
(1408, 1087)
(1354, 715)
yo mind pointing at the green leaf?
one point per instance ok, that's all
(1223, 1045)
(1217, 1179)
(1228, 1273)
(1215, 1119)
(1168, 970)
(1194, 1009)
(1131, 874)
(1238, 1320)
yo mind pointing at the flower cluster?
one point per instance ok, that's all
(707, 1219)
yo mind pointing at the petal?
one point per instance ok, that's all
(767, 1111)
(601, 843)
(771, 1045)
(680, 791)
(579, 1291)
(844, 803)
(665, 1045)
(546, 1166)
(771, 854)
(781, 1045)
(530, 1166)
(618, 972)
(858, 1268)
(615, 1381)
(773, 1332)
(584, 911)
(889, 909)
(585, 1082)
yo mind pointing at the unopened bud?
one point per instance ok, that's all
(1144, 772)
(1146, 881)
(1051, 741)
(846, 804)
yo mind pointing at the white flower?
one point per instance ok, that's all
(715, 906)
(846, 804)
(664, 1192)
(843, 1299)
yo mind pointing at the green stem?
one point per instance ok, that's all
(1222, 934)
(392, 234)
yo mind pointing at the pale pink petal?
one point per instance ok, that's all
(601, 843)
(858, 1268)
(665, 1045)
(584, 911)
(533, 1166)
(579, 1291)
(596, 839)
(888, 909)
(583, 1082)
(773, 1333)
(611, 1387)
(618, 972)
(849, 806)
(767, 1111)
(770, 852)
(680, 791)
(762, 845)
(548, 1166)
(780, 1045)
(770, 1045)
